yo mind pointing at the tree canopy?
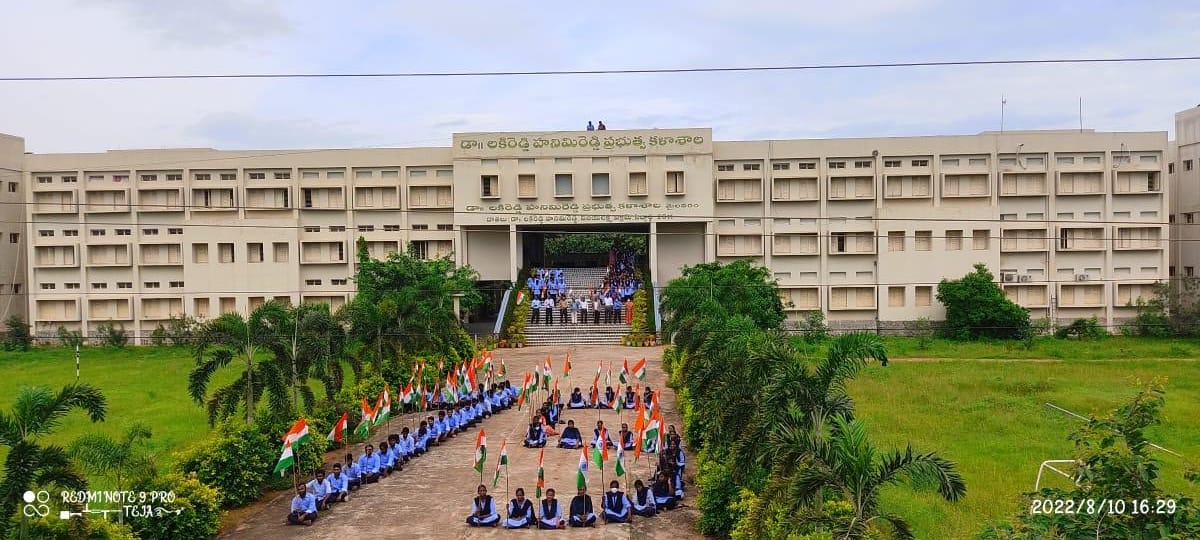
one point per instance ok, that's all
(977, 308)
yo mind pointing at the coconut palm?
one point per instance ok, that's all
(36, 412)
(248, 341)
(843, 463)
(311, 345)
(121, 459)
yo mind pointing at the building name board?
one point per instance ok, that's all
(579, 213)
(584, 142)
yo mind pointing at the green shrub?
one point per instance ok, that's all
(198, 520)
(1082, 329)
(922, 329)
(113, 334)
(77, 528)
(717, 495)
(235, 460)
(70, 338)
(16, 335)
(977, 308)
(813, 327)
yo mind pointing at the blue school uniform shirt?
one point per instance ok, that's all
(369, 464)
(337, 483)
(306, 504)
(352, 470)
(319, 488)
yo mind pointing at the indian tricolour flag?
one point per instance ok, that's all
(337, 434)
(547, 374)
(624, 376)
(406, 396)
(581, 476)
(383, 406)
(600, 453)
(639, 369)
(520, 297)
(368, 415)
(541, 479)
(287, 458)
(619, 468)
(653, 430)
(567, 366)
(501, 461)
(480, 451)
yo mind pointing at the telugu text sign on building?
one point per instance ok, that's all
(570, 212)
(576, 143)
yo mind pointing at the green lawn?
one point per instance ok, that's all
(1116, 347)
(147, 384)
(990, 418)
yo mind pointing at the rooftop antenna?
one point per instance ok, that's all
(1081, 114)
(1003, 102)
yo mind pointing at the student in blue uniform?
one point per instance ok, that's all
(582, 514)
(626, 436)
(339, 484)
(320, 489)
(407, 446)
(571, 438)
(551, 515)
(304, 508)
(615, 504)
(664, 498)
(680, 461)
(483, 510)
(520, 512)
(596, 442)
(608, 399)
(353, 473)
(643, 500)
(577, 400)
(536, 436)
(421, 441)
(369, 465)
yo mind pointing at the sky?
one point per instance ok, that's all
(127, 37)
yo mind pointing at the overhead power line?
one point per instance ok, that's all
(578, 72)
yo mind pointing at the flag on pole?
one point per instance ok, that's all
(487, 362)
(421, 392)
(581, 476)
(639, 369)
(547, 374)
(531, 383)
(480, 451)
(383, 406)
(520, 297)
(639, 425)
(654, 430)
(608, 376)
(368, 415)
(502, 460)
(286, 459)
(624, 376)
(600, 453)
(298, 432)
(541, 478)
(567, 366)
(406, 396)
(338, 433)
(503, 369)
(619, 467)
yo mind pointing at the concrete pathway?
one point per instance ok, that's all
(432, 496)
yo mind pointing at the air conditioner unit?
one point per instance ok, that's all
(1025, 278)
(1081, 277)
(1008, 278)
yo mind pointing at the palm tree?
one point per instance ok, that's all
(843, 462)
(121, 460)
(35, 413)
(311, 345)
(231, 337)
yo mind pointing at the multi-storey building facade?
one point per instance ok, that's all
(13, 291)
(1184, 172)
(1071, 223)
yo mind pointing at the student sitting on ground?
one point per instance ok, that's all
(630, 398)
(536, 437)
(339, 485)
(615, 504)
(353, 473)
(320, 489)
(577, 400)
(408, 444)
(571, 438)
(483, 510)
(643, 500)
(551, 517)
(421, 441)
(664, 498)
(582, 513)
(608, 400)
(597, 433)
(369, 465)
(304, 508)
(626, 436)
(387, 463)
(520, 512)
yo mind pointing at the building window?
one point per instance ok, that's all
(337, 282)
(151, 284)
(1188, 270)
(724, 167)
(895, 240)
(366, 228)
(751, 166)
(391, 228)
(1170, 168)
(526, 186)
(953, 240)
(312, 229)
(70, 179)
(254, 252)
(174, 177)
(312, 282)
(895, 296)
(923, 296)
(489, 186)
(806, 165)
(600, 185)
(564, 185)
(124, 284)
(263, 176)
(45, 233)
(920, 163)
(337, 228)
(150, 232)
(124, 232)
(445, 227)
(637, 183)
(924, 240)
(47, 286)
(231, 176)
(950, 162)
(101, 232)
(891, 163)
(44, 179)
(420, 227)
(71, 232)
(1187, 164)
(862, 164)
(71, 286)
(225, 252)
(1188, 217)
(99, 285)
(781, 166)
(334, 175)
(281, 251)
(203, 176)
(979, 239)
(175, 284)
(837, 164)
(675, 183)
(12, 187)
(175, 230)
(839, 242)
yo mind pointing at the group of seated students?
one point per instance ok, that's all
(398, 449)
(546, 282)
(615, 507)
(620, 278)
(606, 399)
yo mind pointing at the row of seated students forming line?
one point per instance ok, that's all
(615, 507)
(322, 491)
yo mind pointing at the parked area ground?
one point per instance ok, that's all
(431, 498)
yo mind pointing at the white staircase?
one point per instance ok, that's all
(584, 279)
(579, 281)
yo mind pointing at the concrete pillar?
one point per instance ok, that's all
(653, 252)
(512, 253)
(710, 242)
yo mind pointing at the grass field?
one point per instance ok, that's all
(1116, 347)
(990, 418)
(147, 384)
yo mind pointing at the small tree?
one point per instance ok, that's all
(922, 329)
(977, 308)
(123, 460)
(813, 327)
(70, 338)
(17, 336)
(113, 334)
